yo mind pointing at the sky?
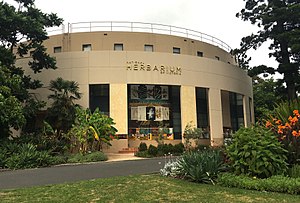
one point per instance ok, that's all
(213, 17)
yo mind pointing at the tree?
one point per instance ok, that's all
(61, 114)
(11, 113)
(90, 127)
(22, 31)
(266, 94)
(279, 22)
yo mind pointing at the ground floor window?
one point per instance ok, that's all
(202, 110)
(99, 97)
(236, 110)
(154, 110)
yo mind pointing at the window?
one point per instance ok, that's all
(57, 49)
(118, 47)
(176, 50)
(86, 47)
(150, 114)
(217, 58)
(200, 53)
(202, 110)
(236, 110)
(99, 97)
(148, 47)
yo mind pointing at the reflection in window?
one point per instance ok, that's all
(57, 49)
(99, 97)
(236, 110)
(176, 50)
(202, 110)
(148, 48)
(86, 47)
(118, 47)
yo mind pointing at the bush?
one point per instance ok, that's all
(294, 172)
(143, 154)
(201, 166)
(27, 156)
(142, 147)
(152, 150)
(273, 184)
(255, 151)
(90, 157)
(178, 149)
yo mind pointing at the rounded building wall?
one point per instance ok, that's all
(90, 59)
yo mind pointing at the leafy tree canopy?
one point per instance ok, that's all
(22, 31)
(279, 22)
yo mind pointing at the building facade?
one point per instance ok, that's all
(152, 79)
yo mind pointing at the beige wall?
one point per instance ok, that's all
(135, 41)
(102, 65)
(188, 106)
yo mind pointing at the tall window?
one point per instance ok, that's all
(202, 109)
(250, 109)
(154, 110)
(148, 48)
(99, 97)
(176, 50)
(236, 110)
(86, 47)
(118, 47)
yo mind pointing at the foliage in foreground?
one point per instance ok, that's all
(285, 124)
(273, 184)
(91, 130)
(23, 30)
(20, 156)
(141, 188)
(255, 151)
(201, 167)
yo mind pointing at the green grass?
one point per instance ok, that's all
(140, 188)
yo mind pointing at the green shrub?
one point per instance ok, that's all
(178, 148)
(294, 172)
(27, 156)
(89, 157)
(201, 166)
(144, 154)
(255, 151)
(95, 156)
(152, 150)
(272, 184)
(142, 147)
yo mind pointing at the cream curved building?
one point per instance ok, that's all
(151, 77)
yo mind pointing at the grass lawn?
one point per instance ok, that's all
(140, 188)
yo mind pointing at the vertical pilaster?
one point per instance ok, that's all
(188, 106)
(118, 106)
(215, 117)
(246, 110)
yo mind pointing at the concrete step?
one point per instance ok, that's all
(128, 150)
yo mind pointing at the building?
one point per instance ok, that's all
(151, 77)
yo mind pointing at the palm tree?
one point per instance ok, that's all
(61, 114)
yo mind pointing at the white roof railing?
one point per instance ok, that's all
(139, 27)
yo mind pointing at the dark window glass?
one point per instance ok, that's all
(99, 97)
(236, 110)
(200, 53)
(57, 49)
(118, 47)
(86, 47)
(202, 110)
(176, 50)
